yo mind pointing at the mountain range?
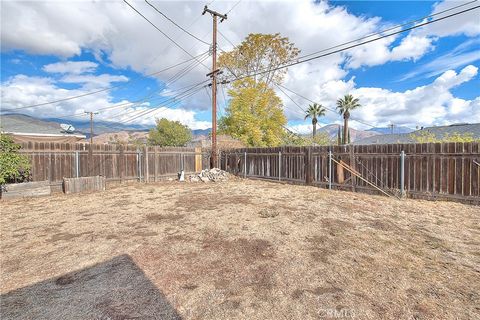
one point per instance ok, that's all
(107, 129)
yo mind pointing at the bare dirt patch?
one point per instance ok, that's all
(237, 250)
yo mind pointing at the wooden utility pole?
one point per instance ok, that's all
(213, 75)
(391, 126)
(90, 147)
(91, 124)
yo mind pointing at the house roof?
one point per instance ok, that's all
(439, 132)
(24, 125)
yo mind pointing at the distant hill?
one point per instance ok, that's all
(386, 130)
(332, 131)
(100, 127)
(105, 131)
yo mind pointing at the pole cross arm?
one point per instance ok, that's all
(214, 13)
(217, 71)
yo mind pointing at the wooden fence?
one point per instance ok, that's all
(431, 171)
(55, 161)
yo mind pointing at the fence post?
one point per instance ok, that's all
(155, 159)
(308, 166)
(77, 164)
(402, 174)
(279, 165)
(198, 159)
(90, 160)
(121, 164)
(226, 160)
(138, 166)
(330, 169)
(245, 165)
(353, 166)
(145, 159)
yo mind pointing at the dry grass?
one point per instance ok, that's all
(240, 249)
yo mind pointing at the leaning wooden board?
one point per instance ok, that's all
(26, 189)
(74, 185)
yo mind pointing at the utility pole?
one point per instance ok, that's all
(213, 75)
(90, 147)
(391, 126)
(91, 124)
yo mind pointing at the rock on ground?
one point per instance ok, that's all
(207, 175)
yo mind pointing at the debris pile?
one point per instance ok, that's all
(207, 175)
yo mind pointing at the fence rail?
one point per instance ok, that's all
(55, 161)
(430, 171)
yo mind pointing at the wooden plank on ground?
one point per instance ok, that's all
(74, 185)
(27, 189)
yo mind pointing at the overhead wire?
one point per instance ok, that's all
(233, 7)
(352, 46)
(161, 31)
(182, 95)
(104, 89)
(176, 24)
(163, 107)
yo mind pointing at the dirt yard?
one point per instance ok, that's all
(238, 250)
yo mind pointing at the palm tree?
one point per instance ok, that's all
(344, 107)
(313, 112)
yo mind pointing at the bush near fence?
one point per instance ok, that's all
(432, 170)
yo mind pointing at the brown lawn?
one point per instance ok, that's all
(237, 250)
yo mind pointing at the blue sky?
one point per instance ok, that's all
(423, 77)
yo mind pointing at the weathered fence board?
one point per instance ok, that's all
(432, 170)
(74, 185)
(27, 189)
(55, 161)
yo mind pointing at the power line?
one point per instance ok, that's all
(390, 29)
(303, 110)
(162, 107)
(236, 4)
(134, 114)
(180, 27)
(185, 71)
(104, 89)
(224, 37)
(353, 46)
(182, 95)
(176, 96)
(160, 30)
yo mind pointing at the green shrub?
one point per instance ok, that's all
(13, 165)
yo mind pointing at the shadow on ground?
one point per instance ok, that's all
(112, 290)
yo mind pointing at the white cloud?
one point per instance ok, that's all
(93, 81)
(460, 56)
(74, 67)
(65, 29)
(432, 104)
(467, 23)
(116, 34)
(23, 90)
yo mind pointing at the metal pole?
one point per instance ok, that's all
(402, 174)
(91, 127)
(279, 165)
(245, 165)
(77, 164)
(330, 170)
(138, 167)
